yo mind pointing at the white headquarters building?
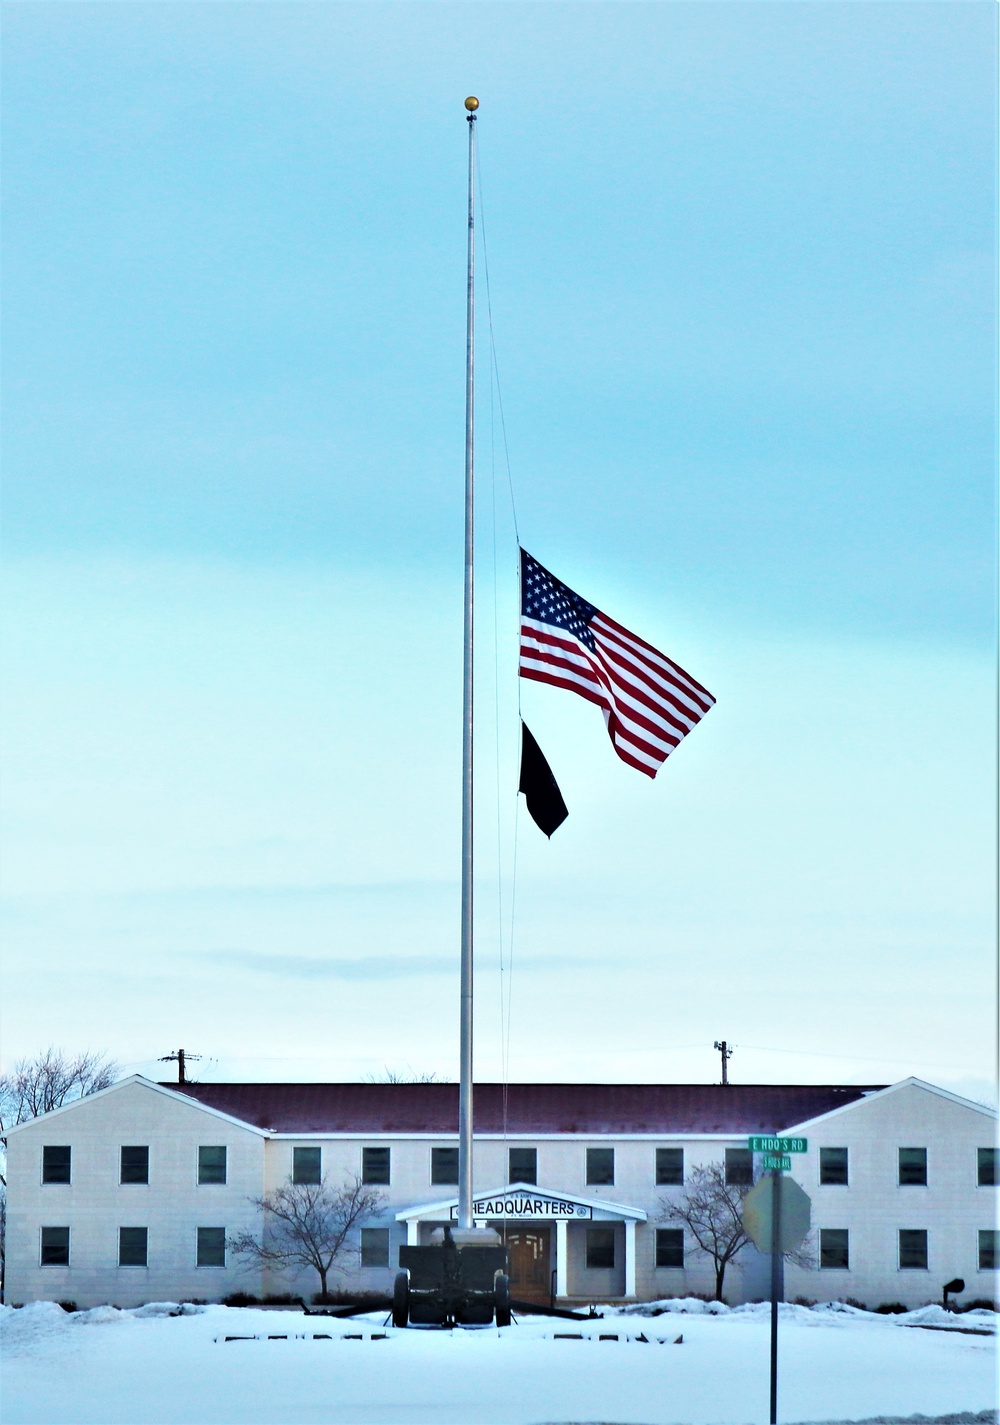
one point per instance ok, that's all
(133, 1194)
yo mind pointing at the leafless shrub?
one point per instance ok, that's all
(712, 1211)
(48, 1081)
(307, 1225)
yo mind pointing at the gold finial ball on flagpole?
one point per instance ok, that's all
(472, 103)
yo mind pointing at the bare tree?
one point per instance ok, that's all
(307, 1225)
(407, 1076)
(711, 1210)
(48, 1081)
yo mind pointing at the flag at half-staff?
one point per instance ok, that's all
(541, 791)
(649, 703)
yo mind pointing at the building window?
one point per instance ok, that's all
(522, 1165)
(211, 1164)
(444, 1165)
(132, 1246)
(834, 1248)
(600, 1246)
(600, 1168)
(307, 1165)
(374, 1246)
(669, 1166)
(913, 1167)
(986, 1166)
(135, 1165)
(56, 1162)
(912, 1249)
(833, 1167)
(211, 1246)
(670, 1246)
(739, 1167)
(375, 1165)
(55, 1247)
(988, 1241)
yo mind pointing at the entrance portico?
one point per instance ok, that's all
(525, 1216)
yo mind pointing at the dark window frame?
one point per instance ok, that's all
(204, 1181)
(988, 1249)
(302, 1177)
(55, 1170)
(836, 1246)
(200, 1242)
(531, 1175)
(669, 1249)
(145, 1246)
(908, 1176)
(988, 1167)
(739, 1167)
(829, 1167)
(46, 1251)
(598, 1176)
(369, 1173)
(913, 1233)
(140, 1165)
(444, 1176)
(598, 1241)
(384, 1235)
(663, 1176)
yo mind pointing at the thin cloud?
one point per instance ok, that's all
(308, 967)
(367, 967)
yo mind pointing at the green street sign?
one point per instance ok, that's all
(762, 1144)
(781, 1164)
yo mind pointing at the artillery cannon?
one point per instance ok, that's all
(460, 1279)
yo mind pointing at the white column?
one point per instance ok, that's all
(630, 1256)
(413, 1233)
(562, 1259)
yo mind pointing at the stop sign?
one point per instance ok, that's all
(795, 1212)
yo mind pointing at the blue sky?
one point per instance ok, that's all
(741, 262)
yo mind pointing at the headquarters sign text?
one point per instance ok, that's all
(520, 1205)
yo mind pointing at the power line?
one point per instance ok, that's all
(180, 1057)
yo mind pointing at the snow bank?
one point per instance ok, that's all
(841, 1308)
(26, 1328)
(937, 1316)
(963, 1417)
(821, 1311)
(753, 1310)
(684, 1305)
(99, 1316)
(168, 1308)
(32, 1328)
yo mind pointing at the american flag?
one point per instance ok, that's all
(649, 703)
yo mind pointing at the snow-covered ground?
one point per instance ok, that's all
(149, 1367)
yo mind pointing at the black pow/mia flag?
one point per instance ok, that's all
(543, 797)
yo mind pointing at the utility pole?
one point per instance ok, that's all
(180, 1057)
(727, 1054)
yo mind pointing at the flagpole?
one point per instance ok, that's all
(465, 1218)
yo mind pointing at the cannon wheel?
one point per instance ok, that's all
(502, 1298)
(401, 1300)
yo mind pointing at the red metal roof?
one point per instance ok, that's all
(531, 1108)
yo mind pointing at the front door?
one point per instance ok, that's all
(528, 1249)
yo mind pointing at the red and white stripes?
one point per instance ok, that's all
(649, 703)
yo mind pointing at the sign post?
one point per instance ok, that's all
(776, 1217)
(776, 1284)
